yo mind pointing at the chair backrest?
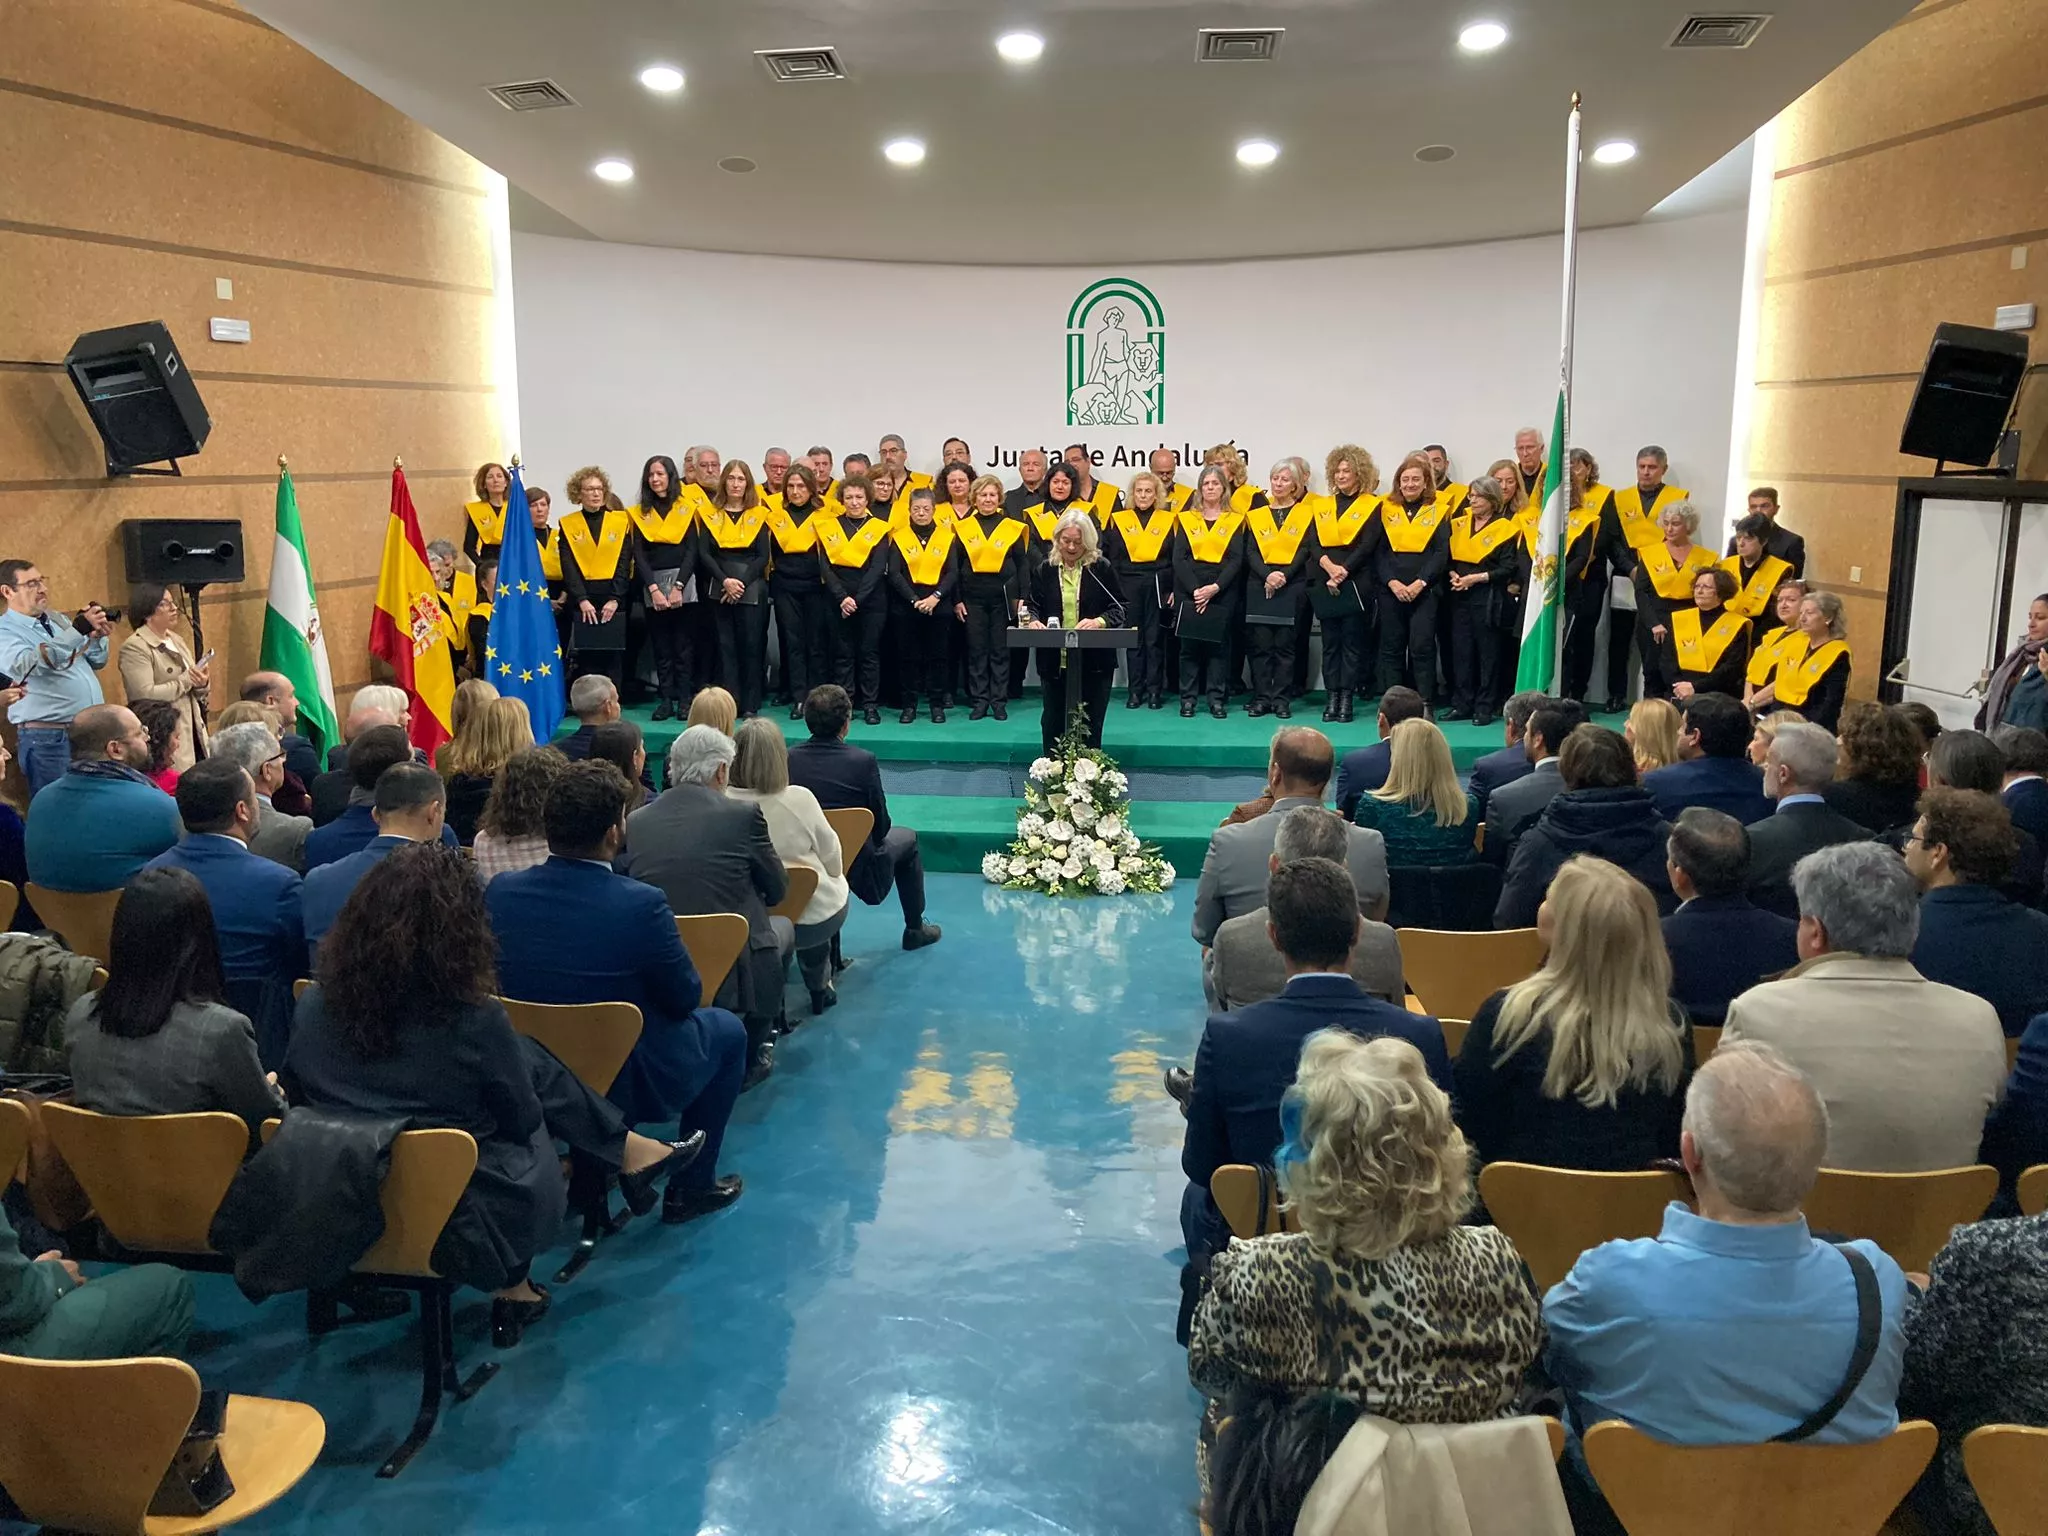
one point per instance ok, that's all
(803, 885)
(592, 1040)
(84, 1443)
(155, 1181)
(1458, 897)
(1235, 1189)
(1734, 1490)
(1454, 1034)
(429, 1172)
(2033, 1190)
(84, 920)
(1555, 1214)
(2008, 1466)
(15, 1124)
(855, 824)
(301, 987)
(1706, 1039)
(1453, 973)
(2012, 1053)
(715, 940)
(1908, 1215)
(10, 903)
(98, 983)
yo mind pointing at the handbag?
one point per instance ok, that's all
(195, 1481)
(1869, 1323)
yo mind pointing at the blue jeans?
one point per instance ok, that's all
(45, 757)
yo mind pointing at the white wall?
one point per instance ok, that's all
(626, 351)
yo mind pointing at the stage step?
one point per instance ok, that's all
(954, 831)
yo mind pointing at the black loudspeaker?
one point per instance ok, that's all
(1965, 395)
(182, 552)
(141, 399)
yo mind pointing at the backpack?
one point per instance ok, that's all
(39, 981)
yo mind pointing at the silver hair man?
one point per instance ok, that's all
(1859, 899)
(1755, 1130)
(703, 754)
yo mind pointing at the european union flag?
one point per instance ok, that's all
(523, 656)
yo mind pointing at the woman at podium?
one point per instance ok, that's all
(1075, 589)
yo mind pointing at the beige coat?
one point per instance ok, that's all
(1388, 1479)
(155, 668)
(1907, 1067)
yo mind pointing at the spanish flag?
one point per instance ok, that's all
(406, 628)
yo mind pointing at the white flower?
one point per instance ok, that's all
(1109, 882)
(1109, 829)
(1116, 781)
(994, 867)
(1057, 802)
(1030, 824)
(1165, 875)
(1048, 869)
(1103, 859)
(1081, 813)
(1072, 868)
(1034, 843)
(1059, 831)
(1020, 868)
(1085, 770)
(1132, 866)
(1044, 768)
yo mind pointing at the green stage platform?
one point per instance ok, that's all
(954, 831)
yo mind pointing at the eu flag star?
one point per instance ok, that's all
(490, 653)
(524, 588)
(558, 653)
(503, 590)
(546, 670)
(526, 677)
(504, 670)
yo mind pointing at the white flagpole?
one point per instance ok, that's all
(1560, 450)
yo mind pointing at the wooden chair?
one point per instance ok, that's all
(855, 824)
(155, 1181)
(10, 903)
(1453, 973)
(2008, 1466)
(1556, 1214)
(300, 987)
(1454, 1034)
(1736, 1490)
(1706, 1039)
(1908, 1215)
(84, 920)
(1235, 1189)
(715, 940)
(99, 979)
(803, 885)
(2033, 1190)
(84, 1443)
(15, 1125)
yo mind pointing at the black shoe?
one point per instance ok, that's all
(1330, 709)
(1133, 699)
(1256, 708)
(1157, 701)
(1220, 711)
(1000, 709)
(1284, 710)
(1180, 1083)
(510, 1319)
(979, 712)
(938, 714)
(1187, 709)
(1454, 714)
(822, 999)
(796, 711)
(638, 1188)
(871, 716)
(677, 1209)
(909, 715)
(760, 1066)
(663, 710)
(1344, 709)
(921, 935)
(1482, 717)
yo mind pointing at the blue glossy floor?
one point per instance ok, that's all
(944, 1305)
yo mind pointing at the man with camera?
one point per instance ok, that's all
(53, 663)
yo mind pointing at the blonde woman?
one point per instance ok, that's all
(1139, 545)
(1382, 1295)
(156, 663)
(1652, 734)
(1767, 730)
(468, 695)
(1422, 810)
(494, 731)
(713, 707)
(1583, 1065)
(801, 835)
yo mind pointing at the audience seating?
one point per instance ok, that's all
(1555, 1214)
(715, 940)
(2012, 1052)
(84, 1443)
(1706, 1039)
(1454, 1034)
(1735, 1490)
(15, 1125)
(84, 920)
(2033, 1190)
(1458, 897)
(10, 903)
(1235, 1189)
(803, 885)
(2008, 1466)
(1454, 972)
(1908, 1215)
(299, 987)
(154, 1180)
(855, 824)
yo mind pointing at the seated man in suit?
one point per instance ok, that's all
(279, 838)
(2025, 790)
(1971, 760)
(2016, 1134)
(1960, 851)
(1246, 1060)
(1714, 769)
(1720, 944)
(1365, 769)
(1514, 806)
(329, 793)
(1799, 765)
(1234, 869)
(843, 776)
(96, 825)
(706, 853)
(255, 902)
(594, 701)
(690, 1059)
(376, 749)
(1907, 1067)
(1511, 762)
(409, 805)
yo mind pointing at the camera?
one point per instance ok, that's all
(84, 625)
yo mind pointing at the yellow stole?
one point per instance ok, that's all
(1144, 538)
(1045, 522)
(1278, 542)
(1699, 651)
(597, 559)
(489, 521)
(550, 541)
(927, 560)
(1638, 522)
(1102, 503)
(944, 514)
(659, 527)
(1469, 547)
(793, 535)
(1762, 586)
(986, 552)
(1245, 497)
(1764, 657)
(1337, 529)
(1178, 496)
(1672, 580)
(1577, 524)
(1210, 542)
(851, 548)
(1799, 670)
(735, 532)
(1410, 535)
(1452, 496)
(456, 606)
(915, 479)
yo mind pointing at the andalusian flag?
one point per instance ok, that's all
(406, 628)
(292, 642)
(1541, 615)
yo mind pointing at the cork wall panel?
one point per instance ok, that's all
(231, 72)
(93, 171)
(1833, 429)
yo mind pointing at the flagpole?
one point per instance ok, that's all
(1560, 450)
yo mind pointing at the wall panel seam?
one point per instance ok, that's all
(1905, 258)
(299, 477)
(295, 380)
(275, 263)
(1864, 378)
(1918, 135)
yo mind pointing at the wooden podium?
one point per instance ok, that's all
(1052, 638)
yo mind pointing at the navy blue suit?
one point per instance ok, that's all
(1972, 937)
(1721, 946)
(1360, 772)
(2027, 799)
(1246, 1062)
(1731, 784)
(328, 888)
(1494, 770)
(256, 916)
(2016, 1133)
(620, 946)
(350, 832)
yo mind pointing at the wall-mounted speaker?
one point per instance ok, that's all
(182, 552)
(1965, 396)
(140, 396)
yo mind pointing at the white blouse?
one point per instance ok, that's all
(801, 835)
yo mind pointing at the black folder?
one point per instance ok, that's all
(603, 636)
(1340, 604)
(1277, 611)
(1212, 627)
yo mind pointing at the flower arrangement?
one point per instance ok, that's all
(1073, 835)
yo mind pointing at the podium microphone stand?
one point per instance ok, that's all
(1076, 641)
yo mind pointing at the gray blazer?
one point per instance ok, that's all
(1244, 967)
(204, 1058)
(1515, 805)
(708, 854)
(1234, 870)
(281, 838)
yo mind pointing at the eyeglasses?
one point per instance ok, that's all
(1915, 837)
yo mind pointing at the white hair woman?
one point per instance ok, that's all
(801, 835)
(1382, 1296)
(1810, 669)
(1075, 589)
(1276, 560)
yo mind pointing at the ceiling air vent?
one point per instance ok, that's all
(1237, 45)
(794, 65)
(531, 96)
(1726, 31)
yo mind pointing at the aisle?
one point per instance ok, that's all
(945, 1304)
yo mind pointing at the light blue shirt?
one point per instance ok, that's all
(56, 665)
(1800, 799)
(1714, 1334)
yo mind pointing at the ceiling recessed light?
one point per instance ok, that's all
(1020, 47)
(1434, 154)
(1615, 152)
(739, 165)
(1482, 37)
(664, 78)
(612, 170)
(904, 151)
(1257, 153)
